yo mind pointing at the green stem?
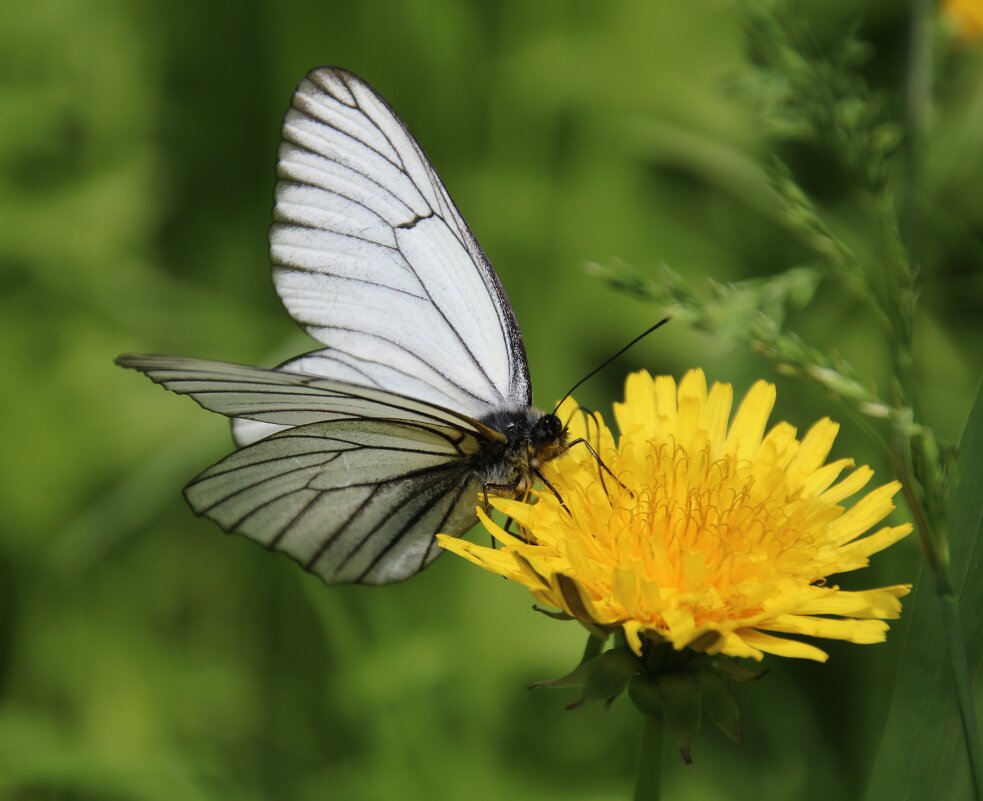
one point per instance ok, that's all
(649, 778)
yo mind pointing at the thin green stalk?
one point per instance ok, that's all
(648, 781)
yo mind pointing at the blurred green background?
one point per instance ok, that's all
(143, 655)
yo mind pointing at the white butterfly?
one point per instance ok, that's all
(353, 457)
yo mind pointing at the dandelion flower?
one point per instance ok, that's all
(716, 536)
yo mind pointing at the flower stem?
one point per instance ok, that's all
(649, 778)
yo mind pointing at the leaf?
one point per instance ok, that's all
(924, 709)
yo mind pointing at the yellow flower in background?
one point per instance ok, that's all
(966, 17)
(716, 536)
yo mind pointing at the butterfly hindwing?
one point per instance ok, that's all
(350, 500)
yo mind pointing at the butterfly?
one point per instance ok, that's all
(352, 457)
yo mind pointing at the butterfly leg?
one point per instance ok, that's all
(551, 488)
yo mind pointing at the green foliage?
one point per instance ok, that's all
(926, 708)
(145, 656)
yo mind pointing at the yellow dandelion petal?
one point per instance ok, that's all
(816, 445)
(633, 635)
(864, 631)
(750, 421)
(817, 482)
(496, 530)
(638, 411)
(779, 646)
(716, 536)
(859, 550)
(664, 409)
(780, 447)
(717, 414)
(868, 511)
(881, 603)
(850, 485)
(488, 558)
(691, 401)
(733, 644)
(576, 423)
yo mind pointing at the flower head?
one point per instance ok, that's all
(714, 536)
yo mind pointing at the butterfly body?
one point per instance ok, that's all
(532, 439)
(351, 458)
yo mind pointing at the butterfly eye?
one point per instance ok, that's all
(548, 429)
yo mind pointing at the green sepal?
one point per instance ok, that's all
(575, 678)
(555, 614)
(609, 674)
(592, 647)
(674, 698)
(729, 669)
(602, 677)
(646, 696)
(720, 704)
(681, 696)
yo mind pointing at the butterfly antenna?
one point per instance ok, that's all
(610, 359)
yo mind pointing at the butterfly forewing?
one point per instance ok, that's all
(372, 257)
(350, 500)
(286, 398)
